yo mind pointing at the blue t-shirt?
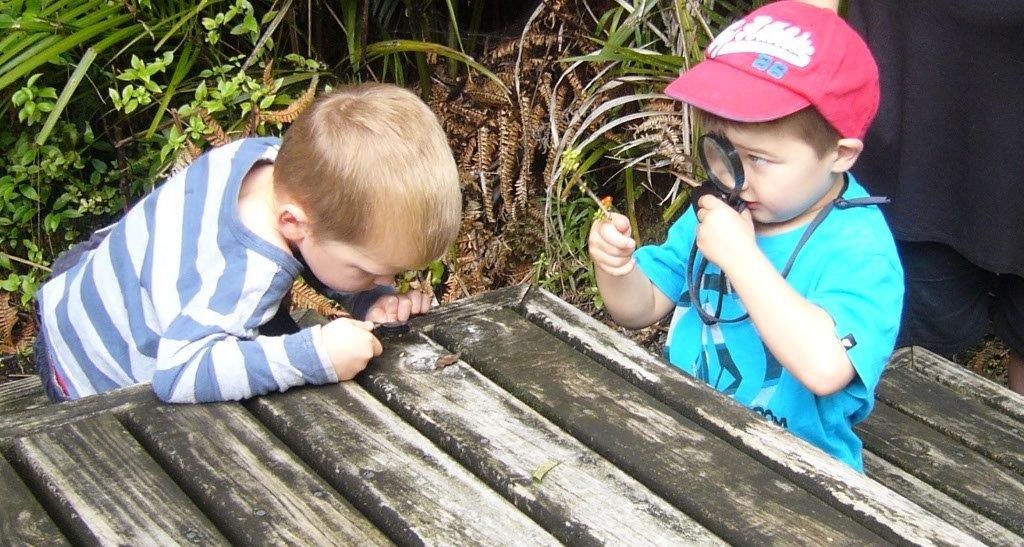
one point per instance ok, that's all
(848, 267)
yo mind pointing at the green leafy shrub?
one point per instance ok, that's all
(103, 98)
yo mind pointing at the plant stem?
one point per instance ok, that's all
(631, 203)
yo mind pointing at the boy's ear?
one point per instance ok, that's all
(292, 222)
(847, 151)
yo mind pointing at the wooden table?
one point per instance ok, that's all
(548, 428)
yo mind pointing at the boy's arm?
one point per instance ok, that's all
(199, 362)
(799, 334)
(629, 296)
(631, 299)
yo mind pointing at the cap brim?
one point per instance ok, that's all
(731, 93)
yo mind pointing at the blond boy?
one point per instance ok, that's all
(788, 295)
(182, 291)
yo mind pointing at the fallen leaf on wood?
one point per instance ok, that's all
(542, 470)
(446, 360)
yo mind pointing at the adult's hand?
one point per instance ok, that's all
(828, 4)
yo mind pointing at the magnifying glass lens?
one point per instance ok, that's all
(718, 164)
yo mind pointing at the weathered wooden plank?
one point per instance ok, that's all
(255, 489)
(582, 500)
(22, 520)
(28, 422)
(722, 488)
(473, 305)
(965, 382)
(409, 488)
(938, 503)
(966, 476)
(882, 510)
(21, 395)
(973, 423)
(104, 489)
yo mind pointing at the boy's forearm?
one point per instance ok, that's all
(225, 368)
(632, 300)
(799, 334)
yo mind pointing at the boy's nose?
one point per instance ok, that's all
(746, 193)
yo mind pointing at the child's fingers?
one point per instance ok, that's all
(366, 325)
(609, 255)
(376, 345)
(403, 309)
(377, 314)
(391, 307)
(621, 223)
(617, 269)
(603, 252)
(613, 264)
(420, 302)
(708, 201)
(746, 215)
(609, 235)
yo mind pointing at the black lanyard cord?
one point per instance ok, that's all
(695, 282)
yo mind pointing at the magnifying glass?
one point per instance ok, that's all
(724, 168)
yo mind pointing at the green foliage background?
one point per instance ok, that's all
(102, 97)
(89, 91)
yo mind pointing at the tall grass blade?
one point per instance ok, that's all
(65, 95)
(391, 47)
(182, 19)
(56, 49)
(267, 33)
(188, 57)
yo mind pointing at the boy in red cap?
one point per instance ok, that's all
(784, 279)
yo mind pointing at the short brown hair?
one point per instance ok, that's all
(807, 124)
(371, 165)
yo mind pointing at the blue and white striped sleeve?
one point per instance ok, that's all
(202, 363)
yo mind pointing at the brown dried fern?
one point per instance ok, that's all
(484, 151)
(503, 141)
(508, 143)
(18, 328)
(8, 321)
(488, 93)
(268, 77)
(304, 297)
(214, 133)
(292, 111)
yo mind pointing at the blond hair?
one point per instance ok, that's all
(371, 165)
(807, 124)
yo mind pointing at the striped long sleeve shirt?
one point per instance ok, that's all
(175, 293)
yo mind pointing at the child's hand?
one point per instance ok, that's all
(350, 346)
(611, 246)
(724, 235)
(399, 307)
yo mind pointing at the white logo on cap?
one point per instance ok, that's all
(765, 35)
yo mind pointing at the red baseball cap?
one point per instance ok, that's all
(781, 58)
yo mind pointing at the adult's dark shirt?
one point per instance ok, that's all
(948, 142)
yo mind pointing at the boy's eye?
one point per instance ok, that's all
(758, 161)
